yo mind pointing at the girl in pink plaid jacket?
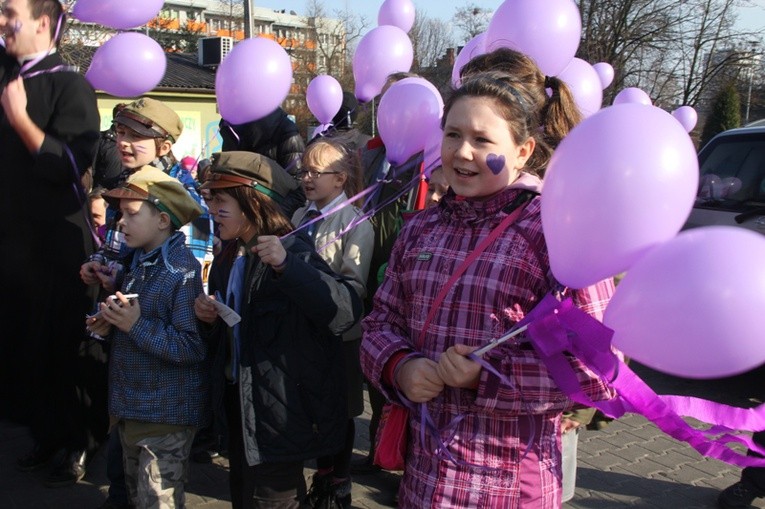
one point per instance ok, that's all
(499, 438)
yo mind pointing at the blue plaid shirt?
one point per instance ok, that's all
(157, 371)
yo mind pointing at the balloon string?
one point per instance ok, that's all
(371, 213)
(407, 187)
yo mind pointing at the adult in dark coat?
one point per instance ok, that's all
(274, 136)
(48, 132)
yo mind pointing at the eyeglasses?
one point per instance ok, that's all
(313, 174)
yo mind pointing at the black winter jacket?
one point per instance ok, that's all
(291, 376)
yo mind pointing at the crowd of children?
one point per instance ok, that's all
(249, 296)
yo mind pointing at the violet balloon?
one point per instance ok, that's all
(398, 13)
(549, 32)
(109, 73)
(687, 116)
(117, 14)
(732, 185)
(677, 312)
(432, 151)
(253, 80)
(632, 95)
(605, 73)
(382, 51)
(324, 96)
(584, 84)
(473, 48)
(621, 182)
(409, 111)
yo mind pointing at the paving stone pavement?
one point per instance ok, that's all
(628, 464)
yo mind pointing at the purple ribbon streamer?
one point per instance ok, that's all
(558, 327)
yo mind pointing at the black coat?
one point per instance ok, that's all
(44, 238)
(292, 378)
(274, 136)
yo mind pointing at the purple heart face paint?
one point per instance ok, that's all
(496, 163)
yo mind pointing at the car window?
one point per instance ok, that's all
(733, 172)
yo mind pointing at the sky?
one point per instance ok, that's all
(749, 19)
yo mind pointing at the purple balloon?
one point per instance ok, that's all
(677, 312)
(687, 117)
(117, 14)
(732, 185)
(621, 182)
(605, 73)
(709, 186)
(382, 51)
(253, 80)
(632, 95)
(109, 73)
(398, 13)
(472, 49)
(548, 32)
(432, 154)
(324, 96)
(584, 84)
(409, 111)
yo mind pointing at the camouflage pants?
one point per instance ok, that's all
(156, 469)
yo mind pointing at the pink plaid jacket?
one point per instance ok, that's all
(495, 292)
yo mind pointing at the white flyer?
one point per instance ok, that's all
(229, 315)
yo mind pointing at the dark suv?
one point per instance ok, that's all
(732, 181)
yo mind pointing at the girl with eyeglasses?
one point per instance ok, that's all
(331, 173)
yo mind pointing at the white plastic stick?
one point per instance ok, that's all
(496, 342)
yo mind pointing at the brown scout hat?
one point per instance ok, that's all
(241, 168)
(161, 190)
(151, 118)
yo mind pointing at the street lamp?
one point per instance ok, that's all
(247, 7)
(752, 54)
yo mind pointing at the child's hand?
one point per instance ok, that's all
(121, 312)
(567, 425)
(456, 370)
(98, 325)
(89, 272)
(419, 380)
(271, 251)
(204, 308)
(107, 277)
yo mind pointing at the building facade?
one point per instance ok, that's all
(315, 45)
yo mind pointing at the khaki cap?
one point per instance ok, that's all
(161, 190)
(151, 118)
(241, 168)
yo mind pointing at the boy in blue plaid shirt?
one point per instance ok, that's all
(158, 384)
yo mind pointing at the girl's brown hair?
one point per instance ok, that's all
(264, 213)
(335, 154)
(548, 118)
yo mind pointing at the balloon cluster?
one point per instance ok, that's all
(108, 70)
(617, 192)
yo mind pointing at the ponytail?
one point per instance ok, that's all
(560, 113)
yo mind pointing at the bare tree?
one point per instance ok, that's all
(233, 15)
(471, 20)
(674, 50)
(430, 40)
(336, 36)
